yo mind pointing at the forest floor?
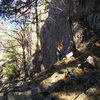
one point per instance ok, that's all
(71, 83)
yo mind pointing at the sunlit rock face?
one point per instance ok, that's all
(56, 34)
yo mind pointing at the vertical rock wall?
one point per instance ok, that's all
(56, 35)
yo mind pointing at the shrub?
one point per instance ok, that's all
(10, 69)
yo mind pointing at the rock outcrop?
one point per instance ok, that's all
(56, 34)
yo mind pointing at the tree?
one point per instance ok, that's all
(25, 40)
(9, 56)
(18, 43)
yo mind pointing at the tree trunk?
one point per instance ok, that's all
(24, 68)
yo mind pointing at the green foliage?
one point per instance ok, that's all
(10, 54)
(47, 0)
(10, 69)
(2, 59)
(11, 50)
(7, 55)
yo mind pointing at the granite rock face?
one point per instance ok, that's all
(60, 27)
(56, 34)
